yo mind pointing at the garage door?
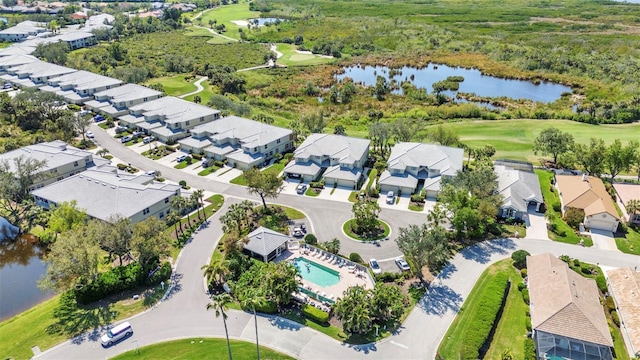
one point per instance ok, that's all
(345, 183)
(602, 225)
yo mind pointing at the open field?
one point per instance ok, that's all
(225, 14)
(513, 139)
(175, 85)
(292, 58)
(201, 349)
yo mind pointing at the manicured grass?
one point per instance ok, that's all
(629, 244)
(239, 180)
(618, 342)
(198, 348)
(175, 85)
(225, 14)
(276, 167)
(417, 208)
(512, 330)
(371, 179)
(513, 139)
(292, 58)
(353, 197)
(38, 326)
(550, 198)
(209, 170)
(511, 230)
(312, 192)
(459, 332)
(346, 227)
(291, 213)
(181, 165)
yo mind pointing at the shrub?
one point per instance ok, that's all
(602, 283)
(218, 163)
(111, 282)
(565, 258)
(611, 305)
(483, 320)
(311, 239)
(121, 166)
(162, 274)
(182, 183)
(573, 217)
(317, 315)
(576, 262)
(523, 273)
(615, 318)
(586, 269)
(529, 349)
(355, 257)
(387, 277)
(557, 207)
(268, 307)
(197, 156)
(520, 259)
(521, 286)
(525, 296)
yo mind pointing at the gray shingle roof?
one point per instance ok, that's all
(405, 180)
(518, 187)
(248, 132)
(565, 303)
(128, 92)
(336, 172)
(345, 148)
(81, 80)
(104, 192)
(56, 153)
(174, 109)
(263, 241)
(447, 160)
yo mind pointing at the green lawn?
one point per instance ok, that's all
(511, 330)
(550, 198)
(175, 85)
(311, 192)
(198, 348)
(292, 58)
(276, 167)
(629, 244)
(292, 214)
(513, 139)
(225, 14)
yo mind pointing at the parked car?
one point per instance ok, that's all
(7, 85)
(375, 267)
(125, 139)
(136, 134)
(148, 139)
(99, 118)
(301, 188)
(120, 129)
(403, 265)
(391, 197)
(181, 158)
(151, 173)
(90, 134)
(116, 334)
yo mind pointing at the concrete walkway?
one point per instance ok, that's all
(536, 226)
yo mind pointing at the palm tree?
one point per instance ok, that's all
(102, 152)
(178, 205)
(174, 217)
(199, 194)
(220, 303)
(194, 201)
(632, 207)
(217, 271)
(252, 299)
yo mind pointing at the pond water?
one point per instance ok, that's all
(264, 21)
(474, 81)
(21, 266)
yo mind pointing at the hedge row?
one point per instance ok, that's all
(483, 319)
(119, 279)
(315, 314)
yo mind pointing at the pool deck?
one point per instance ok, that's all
(348, 275)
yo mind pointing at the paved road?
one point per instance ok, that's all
(183, 313)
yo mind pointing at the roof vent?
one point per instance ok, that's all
(584, 177)
(103, 184)
(113, 187)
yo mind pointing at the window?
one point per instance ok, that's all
(201, 119)
(161, 215)
(266, 146)
(75, 163)
(255, 149)
(144, 99)
(187, 123)
(278, 141)
(166, 200)
(145, 211)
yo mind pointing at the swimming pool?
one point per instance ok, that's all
(316, 273)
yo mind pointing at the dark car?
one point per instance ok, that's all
(99, 118)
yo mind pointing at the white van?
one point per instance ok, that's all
(116, 334)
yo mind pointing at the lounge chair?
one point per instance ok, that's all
(328, 256)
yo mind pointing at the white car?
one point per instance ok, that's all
(375, 267)
(403, 265)
(391, 197)
(90, 134)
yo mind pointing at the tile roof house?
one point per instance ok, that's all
(624, 287)
(62, 160)
(342, 159)
(22, 31)
(265, 244)
(117, 101)
(589, 194)
(34, 74)
(412, 163)
(567, 318)
(78, 87)
(242, 142)
(624, 194)
(106, 192)
(520, 189)
(169, 118)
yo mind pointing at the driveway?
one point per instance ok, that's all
(603, 240)
(536, 226)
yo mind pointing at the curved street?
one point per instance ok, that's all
(182, 314)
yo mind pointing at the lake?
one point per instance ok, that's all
(474, 81)
(21, 266)
(264, 21)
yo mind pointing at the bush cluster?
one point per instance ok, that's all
(314, 314)
(615, 318)
(356, 258)
(388, 277)
(520, 259)
(529, 349)
(483, 320)
(119, 279)
(310, 239)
